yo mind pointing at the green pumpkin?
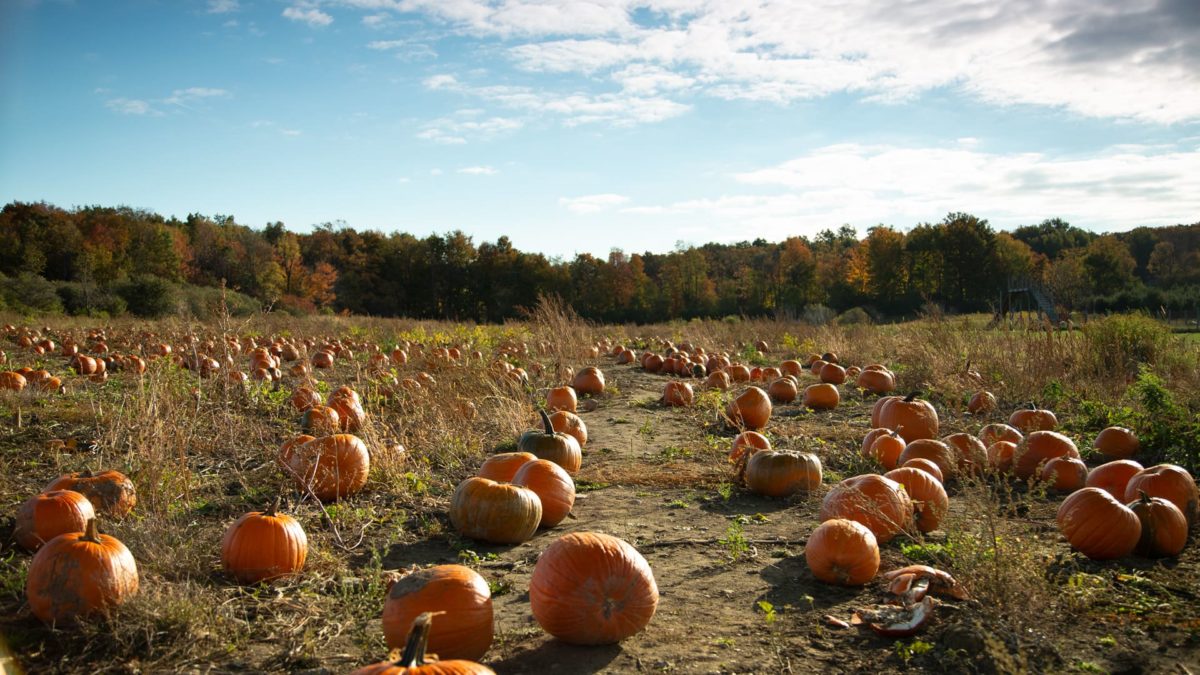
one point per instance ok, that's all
(560, 448)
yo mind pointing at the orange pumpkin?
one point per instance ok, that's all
(887, 448)
(110, 492)
(842, 552)
(589, 381)
(46, 515)
(553, 486)
(495, 512)
(782, 473)
(1033, 419)
(570, 424)
(1113, 477)
(746, 444)
(981, 402)
(1038, 448)
(832, 373)
(1098, 525)
(1164, 527)
(1065, 474)
(263, 546)
(926, 466)
(970, 451)
(331, 467)
(1117, 443)
(80, 573)
(466, 628)
(783, 390)
(1000, 456)
(821, 396)
(876, 381)
(930, 502)
(562, 398)
(991, 433)
(589, 588)
(1172, 483)
(877, 502)
(751, 409)
(503, 466)
(678, 394)
(935, 451)
(911, 417)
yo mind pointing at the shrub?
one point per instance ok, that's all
(855, 316)
(30, 293)
(1119, 343)
(79, 300)
(149, 296)
(817, 315)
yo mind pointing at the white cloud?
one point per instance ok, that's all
(223, 6)
(478, 171)
(291, 132)
(592, 203)
(435, 172)
(131, 106)
(456, 130)
(863, 185)
(312, 16)
(1130, 59)
(185, 97)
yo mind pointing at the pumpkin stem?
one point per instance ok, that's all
(274, 508)
(546, 421)
(418, 637)
(910, 397)
(90, 533)
(1143, 498)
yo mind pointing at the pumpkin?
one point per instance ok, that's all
(562, 398)
(110, 492)
(80, 573)
(1065, 474)
(791, 367)
(1000, 456)
(981, 402)
(738, 373)
(782, 473)
(718, 380)
(321, 420)
(1040, 447)
(991, 433)
(413, 660)
(926, 466)
(842, 552)
(589, 381)
(503, 466)
(553, 487)
(783, 390)
(652, 362)
(495, 512)
(466, 626)
(746, 444)
(1033, 419)
(877, 502)
(1098, 525)
(322, 359)
(935, 451)
(832, 373)
(910, 417)
(12, 381)
(869, 439)
(1113, 477)
(678, 394)
(589, 588)
(887, 448)
(1172, 483)
(930, 501)
(332, 467)
(1117, 443)
(821, 396)
(751, 409)
(46, 515)
(263, 546)
(288, 448)
(350, 413)
(876, 381)
(570, 424)
(970, 451)
(553, 445)
(1164, 527)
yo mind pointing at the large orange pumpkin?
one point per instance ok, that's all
(553, 445)
(678, 394)
(877, 502)
(589, 588)
(782, 473)
(911, 417)
(1065, 474)
(553, 486)
(503, 466)
(1117, 443)
(589, 381)
(1113, 477)
(264, 545)
(1033, 419)
(823, 396)
(842, 552)
(1097, 525)
(1172, 483)
(991, 433)
(495, 512)
(876, 381)
(80, 573)
(466, 628)
(1164, 527)
(887, 448)
(930, 502)
(570, 424)
(935, 451)
(1038, 448)
(46, 515)
(562, 398)
(110, 492)
(332, 467)
(751, 409)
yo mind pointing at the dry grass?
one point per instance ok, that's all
(201, 452)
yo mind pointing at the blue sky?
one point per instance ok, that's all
(586, 125)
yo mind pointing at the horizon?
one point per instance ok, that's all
(630, 125)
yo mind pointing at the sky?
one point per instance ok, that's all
(586, 125)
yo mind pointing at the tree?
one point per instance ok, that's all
(884, 251)
(1109, 265)
(318, 286)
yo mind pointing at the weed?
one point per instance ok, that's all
(768, 610)
(905, 651)
(734, 542)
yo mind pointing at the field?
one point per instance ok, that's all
(736, 593)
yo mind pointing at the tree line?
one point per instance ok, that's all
(112, 260)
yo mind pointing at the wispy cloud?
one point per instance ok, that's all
(312, 16)
(132, 106)
(191, 95)
(863, 185)
(406, 50)
(478, 171)
(291, 132)
(456, 130)
(592, 203)
(223, 6)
